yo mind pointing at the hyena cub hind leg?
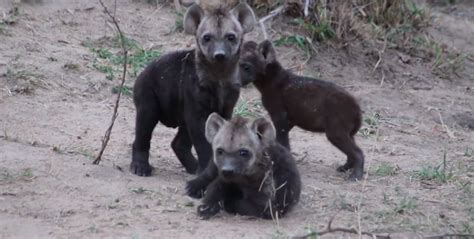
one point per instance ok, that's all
(355, 156)
(181, 146)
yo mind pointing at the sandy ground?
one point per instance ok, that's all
(55, 107)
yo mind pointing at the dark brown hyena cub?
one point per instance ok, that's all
(250, 174)
(181, 89)
(311, 104)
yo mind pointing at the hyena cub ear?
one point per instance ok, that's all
(267, 51)
(192, 19)
(244, 14)
(265, 130)
(213, 124)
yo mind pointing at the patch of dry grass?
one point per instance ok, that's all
(397, 24)
(346, 19)
(23, 81)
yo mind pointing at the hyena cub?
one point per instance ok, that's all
(250, 174)
(311, 104)
(181, 89)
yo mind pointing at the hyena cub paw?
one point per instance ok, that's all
(344, 168)
(356, 175)
(195, 188)
(141, 169)
(207, 211)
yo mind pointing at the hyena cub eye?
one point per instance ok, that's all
(219, 151)
(246, 67)
(231, 37)
(244, 153)
(247, 73)
(207, 38)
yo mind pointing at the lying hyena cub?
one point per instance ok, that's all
(250, 174)
(182, 88)
(308, 103)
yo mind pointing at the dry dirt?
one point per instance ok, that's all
(55, 107)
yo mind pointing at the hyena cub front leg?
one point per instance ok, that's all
(195, 188)
(212, 201)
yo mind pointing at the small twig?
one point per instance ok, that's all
(445, 127)
(460, 236)
(382, 79)
(329, 229)
(106, 138)
(177, 5)
(272, 14)
(380, 52)
(306, 7)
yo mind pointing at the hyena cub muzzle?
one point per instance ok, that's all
(250, 174)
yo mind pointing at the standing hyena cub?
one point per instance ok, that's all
(181, 89)
(308, 103)
(250, 174)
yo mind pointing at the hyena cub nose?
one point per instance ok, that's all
(219, 56)
(227, 173)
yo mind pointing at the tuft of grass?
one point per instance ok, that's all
(386, 169)
(104, 53)
(319, 31)
(140, 58)
(341, 202)
(108, 70)
(126, 90)
(279, 235)
(406, 205)
(468, 152)
(110, 60)
(467, 227)
(444, 63)
(3, 29)
(5, 175)
(295, 40)
(371, 125)
(139, 190)
(248, 108)
(25, 174)
(24, 81)
(439, 173)
(178, 23)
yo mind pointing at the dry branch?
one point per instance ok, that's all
(106, 138)
(272, 14)
(329, 229)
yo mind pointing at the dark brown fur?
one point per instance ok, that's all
(250, 174)
(182, 88)
(311, 104)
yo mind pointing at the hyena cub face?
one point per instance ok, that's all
(219, 33)
(239, 145)
(254, 59)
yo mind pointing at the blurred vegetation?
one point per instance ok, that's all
(396, 24)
